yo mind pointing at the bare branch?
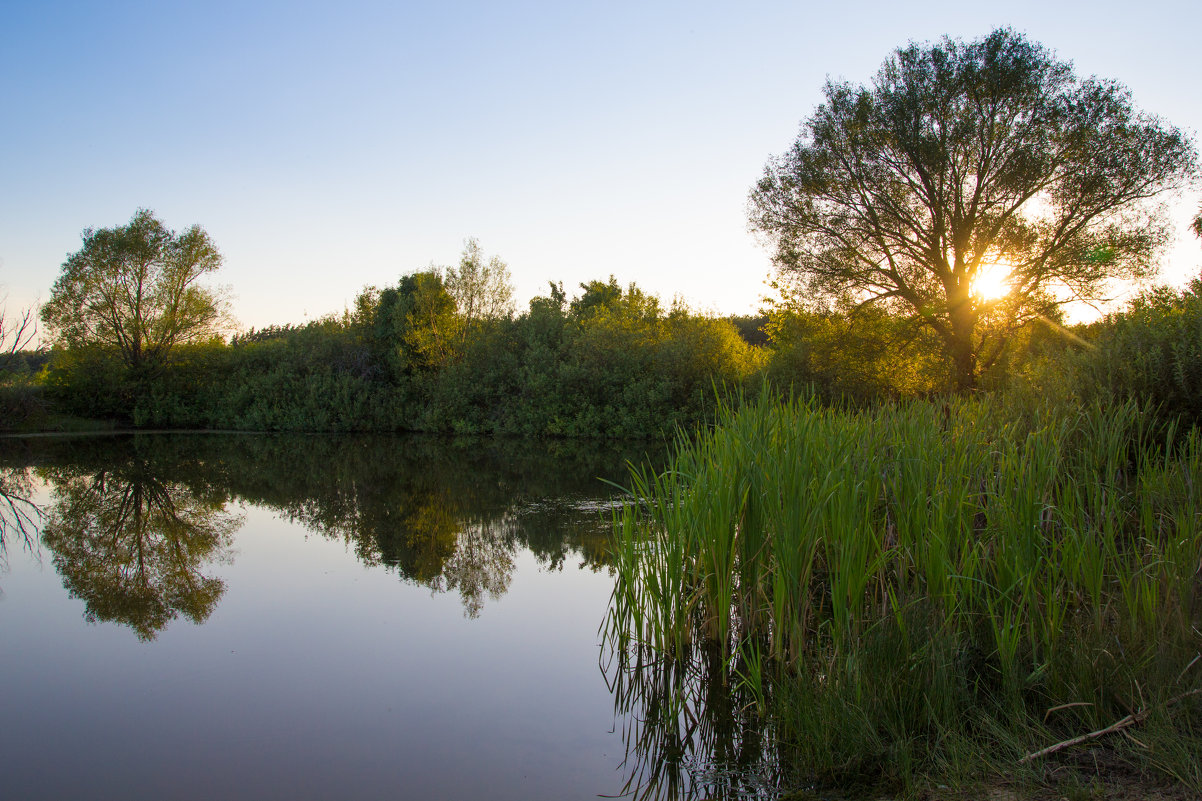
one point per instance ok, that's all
(1134, 719)
(16, 333)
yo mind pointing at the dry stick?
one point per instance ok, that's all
(1130, 720)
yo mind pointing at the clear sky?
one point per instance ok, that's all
(326, 146)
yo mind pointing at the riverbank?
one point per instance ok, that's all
(926, 594)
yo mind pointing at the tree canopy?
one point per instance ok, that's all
(134, 288)
(601, 296)
(966, 157)
(481, 289)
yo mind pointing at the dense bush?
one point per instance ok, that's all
(610, 363)
(1151, 351)
(89, 382)
(21, 401)
(312, 378)
(855, 357)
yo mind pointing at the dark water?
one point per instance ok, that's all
(211, 616)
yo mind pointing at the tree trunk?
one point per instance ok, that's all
(960, 342)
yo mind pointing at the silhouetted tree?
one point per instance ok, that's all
(961, 156)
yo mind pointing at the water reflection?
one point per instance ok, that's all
(447, 515)
(132, 546)
(133, 520)
(691, 727)
(20, 517)
(136, 526)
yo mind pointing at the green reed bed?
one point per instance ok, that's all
(930, 590)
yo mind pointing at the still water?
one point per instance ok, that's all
(240, 616)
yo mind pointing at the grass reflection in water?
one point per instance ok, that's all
(915, 594)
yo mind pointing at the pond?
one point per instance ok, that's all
(259, 616)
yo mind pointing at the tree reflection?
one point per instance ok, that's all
(431, 535)
(450, 516)
(483, 562)
(132, 546)
(20, 517)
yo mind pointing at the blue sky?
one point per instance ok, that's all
(329, 146)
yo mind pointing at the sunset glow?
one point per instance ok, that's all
(993, 281)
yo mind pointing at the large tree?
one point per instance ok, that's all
(966, 157)
(134, 288)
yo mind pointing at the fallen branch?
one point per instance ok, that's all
(1131, 720)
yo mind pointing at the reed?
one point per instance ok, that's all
(902, 571)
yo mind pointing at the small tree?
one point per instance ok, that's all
(599, 296)
(481, 289)
(959, 159)
(134, 289)
(414, 325)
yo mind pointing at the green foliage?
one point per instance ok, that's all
(415, 325)
(21, 403)
(611, 365)
(855, 357)
(318, 377)
(482, 290)
(133, 289)
(958, 157)
(608, 363)
(751, 328)
(698, 353)
(89, 382)
(597, 295)
(1151, 351)
(912, 578)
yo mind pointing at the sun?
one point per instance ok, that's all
(992, 281)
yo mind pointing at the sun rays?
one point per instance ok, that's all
(992, 281)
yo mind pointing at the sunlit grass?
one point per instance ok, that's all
(922, 576)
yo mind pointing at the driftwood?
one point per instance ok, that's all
(1133, 719)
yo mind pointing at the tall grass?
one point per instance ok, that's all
(927, 580)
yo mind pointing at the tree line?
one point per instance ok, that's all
(440, 350)
(898, 197)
